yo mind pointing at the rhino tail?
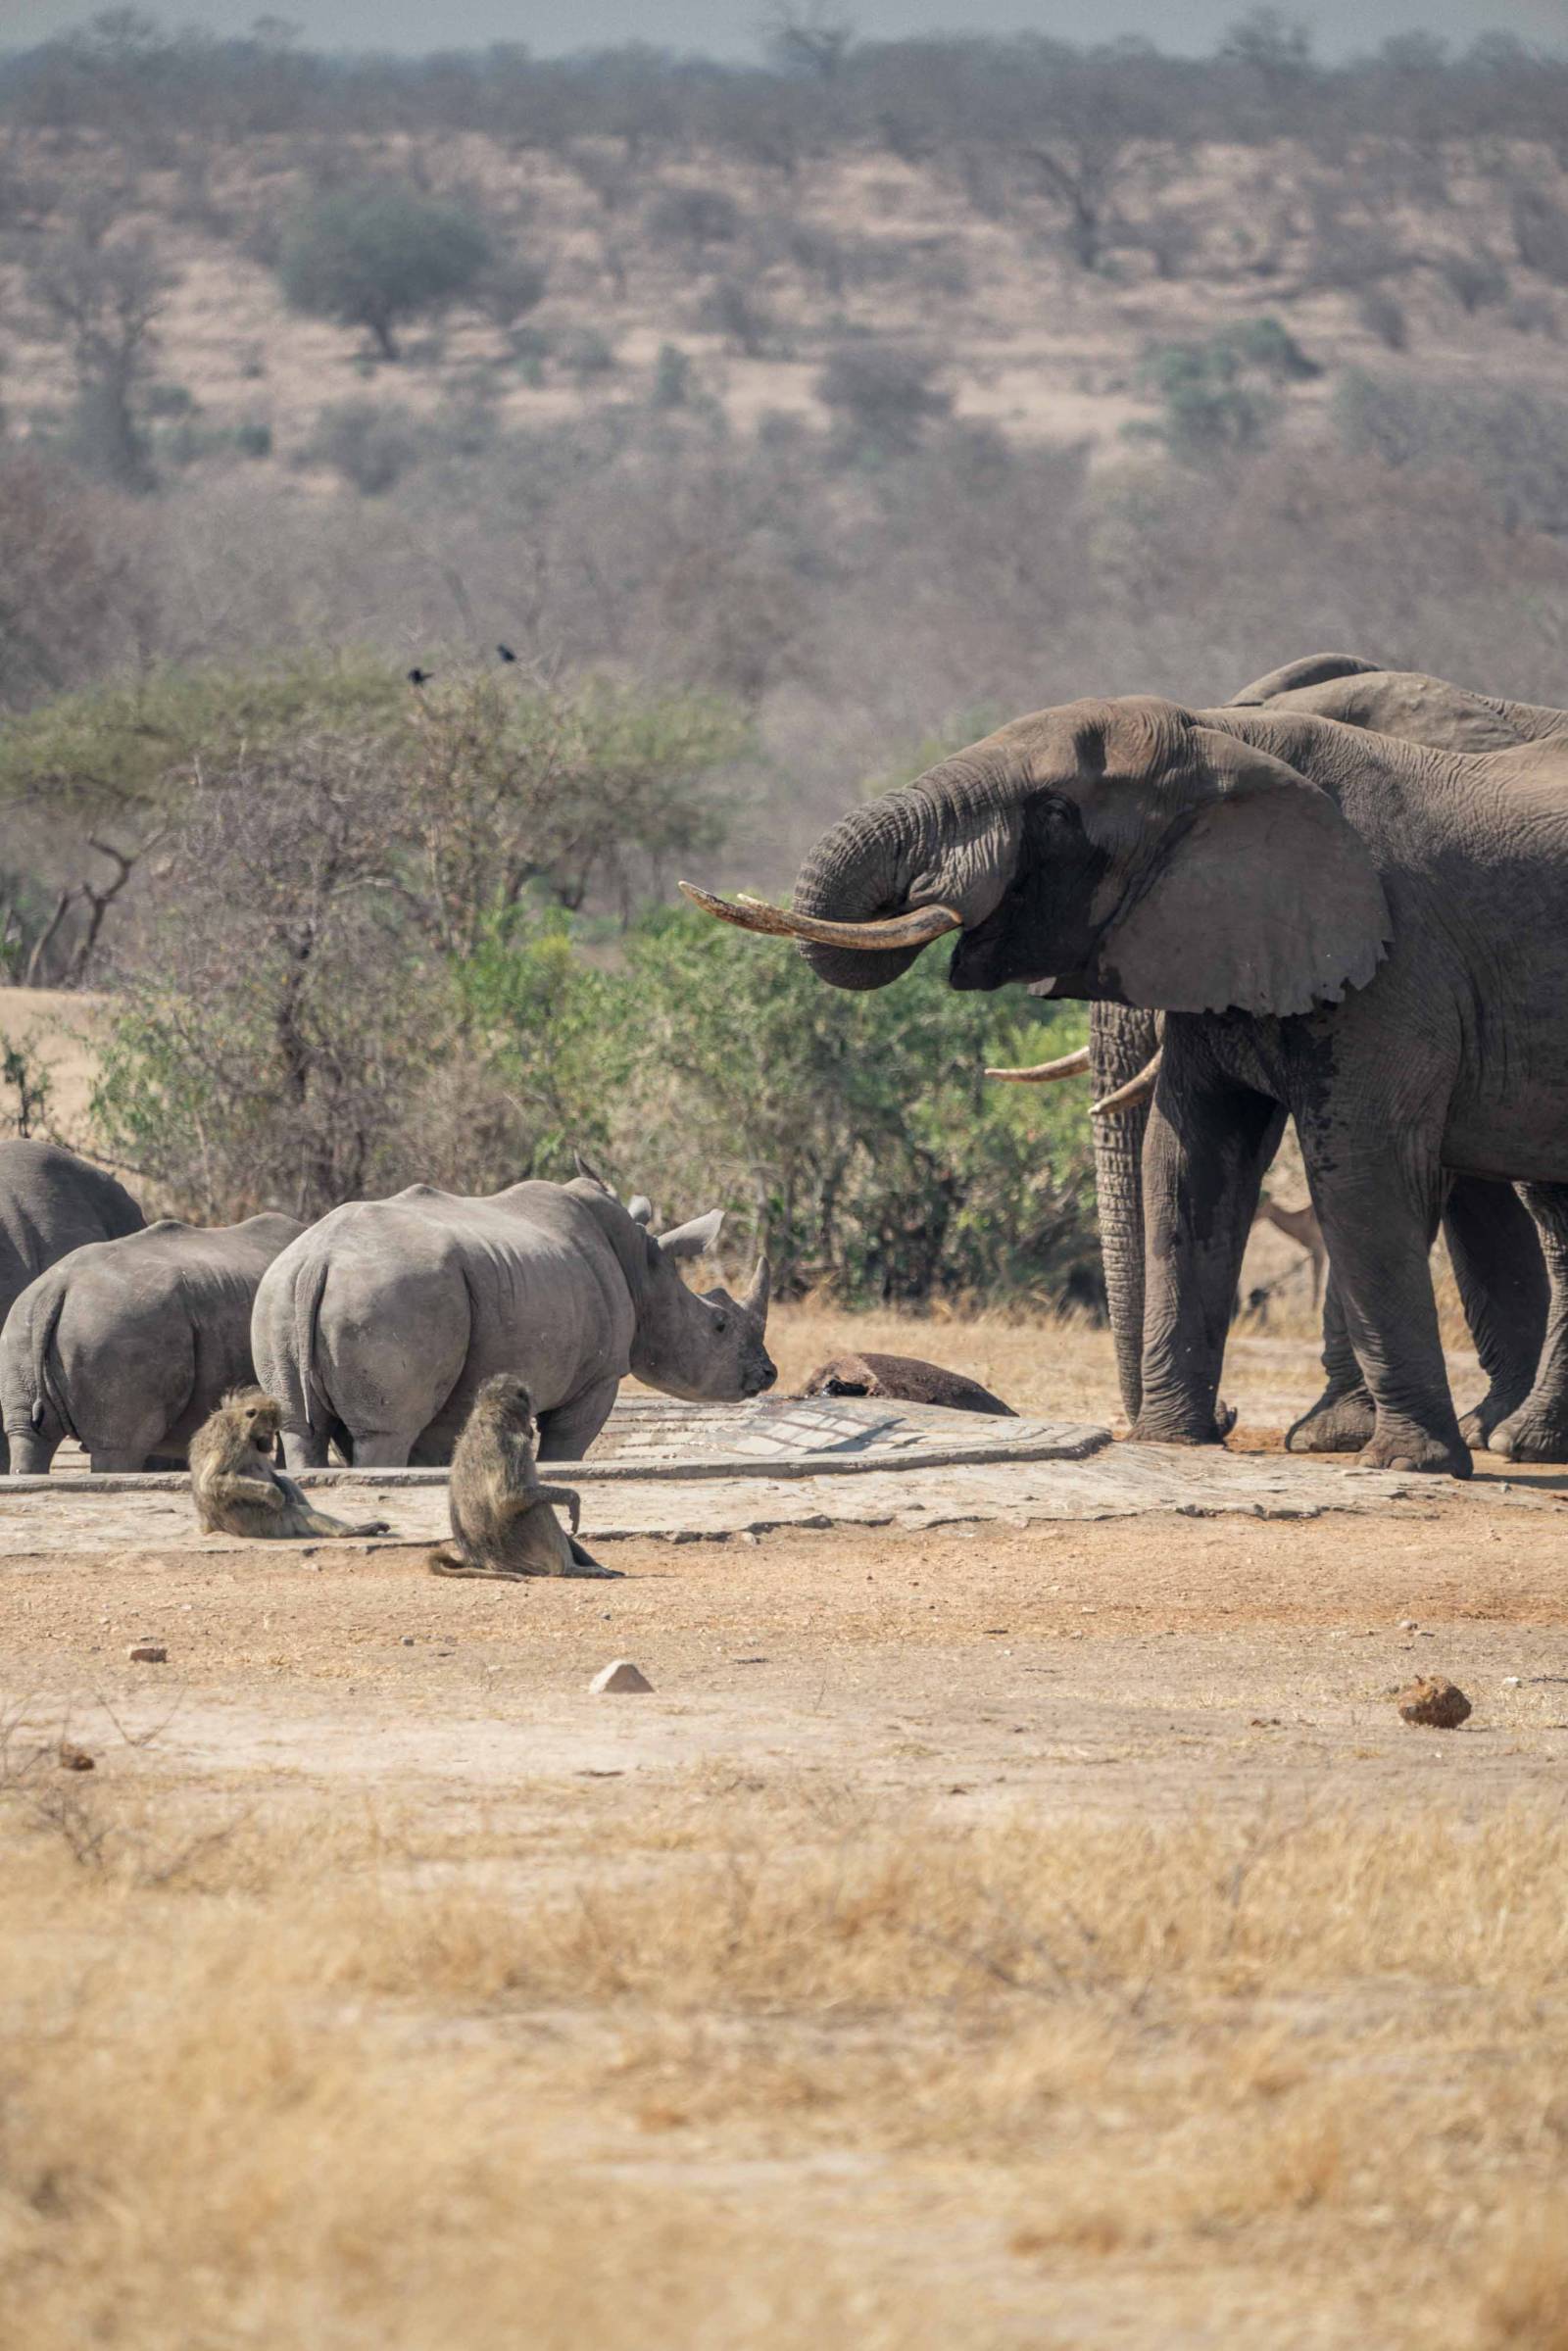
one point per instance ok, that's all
(301, 1382)
(48, 1377)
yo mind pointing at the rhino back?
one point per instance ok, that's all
(426, 1294)
(50, 1204)
(162, 1316)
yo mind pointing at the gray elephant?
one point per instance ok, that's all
(1491, 1237)
(128, 1345)
(52, 1202)
(378, 1326)
(1365, 934)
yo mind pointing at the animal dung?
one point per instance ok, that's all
(1434, 1703)
(74, 1759)
(620, 1678)
(147, 1653)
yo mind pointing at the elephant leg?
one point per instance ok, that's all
(1121, 1043)
(1502, 1279)
(1378, 1202)
(1205, 1154)
(1538, 1430)
(1341, 1420)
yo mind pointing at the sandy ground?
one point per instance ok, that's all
(1156, 1679)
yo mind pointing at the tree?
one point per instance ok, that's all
(102, 301)
(275, 1021)
(377, 255)
(808, 36)
(882, 396)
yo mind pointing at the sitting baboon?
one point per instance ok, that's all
(502, 1521)
(235, 1485)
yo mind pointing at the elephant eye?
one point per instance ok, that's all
(721, 1321)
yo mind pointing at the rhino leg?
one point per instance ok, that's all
(566, 1432)
(384, 1449)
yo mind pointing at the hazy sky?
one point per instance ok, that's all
(728, 28)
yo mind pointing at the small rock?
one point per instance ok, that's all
(147, 1653)
(1431, 1700)
(74, 1759)
(407, 1640)
(1407, 1624)
(1511, 1680)
(620, 1676)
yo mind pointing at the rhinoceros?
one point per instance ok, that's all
(378, 1326)
(52, 1202)
(128, 1345)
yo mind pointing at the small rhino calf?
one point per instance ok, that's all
(502, 1524)
(235, 1485)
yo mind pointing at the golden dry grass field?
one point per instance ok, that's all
(982, 1937)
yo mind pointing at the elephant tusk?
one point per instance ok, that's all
(1137, 1090)
(917, 928)
(1071, 1065)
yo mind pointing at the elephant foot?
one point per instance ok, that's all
(1340, 1422)
(1534, 1433)
(1401, 1444)
(1155, 1429)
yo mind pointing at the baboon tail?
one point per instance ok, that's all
(447, 1560)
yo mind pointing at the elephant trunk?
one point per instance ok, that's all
(1121, 1042)
(942, 843)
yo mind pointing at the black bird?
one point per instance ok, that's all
(505, 653)
(421, 677)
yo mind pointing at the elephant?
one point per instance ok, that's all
(50, 1202)
(1491, 1238)
(379, 1325)
(1365, 934)
(130, 1345)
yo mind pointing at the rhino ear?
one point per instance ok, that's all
(1317, 670)
(692, 1240)
(640, 1208)
(591, 1174)
(1261, 896)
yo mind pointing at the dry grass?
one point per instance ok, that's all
(339, 2082)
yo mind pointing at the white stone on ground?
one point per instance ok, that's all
(620, 1676)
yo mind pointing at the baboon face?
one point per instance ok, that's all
(261, 1419)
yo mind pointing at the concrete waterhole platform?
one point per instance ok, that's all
(709, 1472)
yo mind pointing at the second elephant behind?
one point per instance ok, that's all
(1491, 1238)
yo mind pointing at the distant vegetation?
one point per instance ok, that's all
(787, 423)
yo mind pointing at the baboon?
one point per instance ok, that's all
(502, 1524)
(235, 1485)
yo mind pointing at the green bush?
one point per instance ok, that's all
(380, 254)
(853, 1137)
(1219, 396)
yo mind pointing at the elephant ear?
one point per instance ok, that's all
(1317, 670)
(1261, 896)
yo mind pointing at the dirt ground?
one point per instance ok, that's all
(978, 1935)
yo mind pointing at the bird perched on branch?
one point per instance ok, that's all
(421, 677)
(505, 653)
